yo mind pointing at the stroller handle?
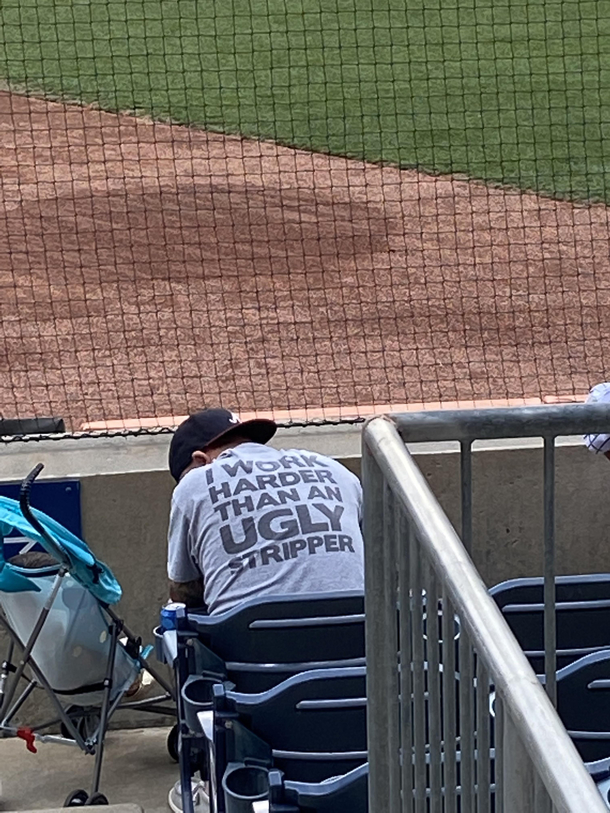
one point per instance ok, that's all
(61, 555)
(24, 504)
(24, 496)
(26, 485)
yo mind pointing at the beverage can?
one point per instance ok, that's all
(169, 614)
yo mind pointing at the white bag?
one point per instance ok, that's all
(73, 647)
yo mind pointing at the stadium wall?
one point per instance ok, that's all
(126, 492)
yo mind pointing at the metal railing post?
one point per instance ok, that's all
(413, 552)
(466, 492)
(380, 651)
(519, 785)
(405, 646)
(390, 626)
(550, 621)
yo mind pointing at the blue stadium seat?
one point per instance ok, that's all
(599, 771)
(583, 703)
(253, 648)
(583, 616)
(264, 641)
(344, 794)
(311, 727)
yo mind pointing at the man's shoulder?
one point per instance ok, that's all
(318, 459)
(192, 484)
(305, 457)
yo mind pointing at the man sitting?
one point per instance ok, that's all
(248, 520)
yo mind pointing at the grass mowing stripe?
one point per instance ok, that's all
(512, 91)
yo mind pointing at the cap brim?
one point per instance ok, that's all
(259, 430)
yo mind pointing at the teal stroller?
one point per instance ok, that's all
(72, 644)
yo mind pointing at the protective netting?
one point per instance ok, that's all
(311, 208)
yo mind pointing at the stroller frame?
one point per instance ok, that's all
(83, 727)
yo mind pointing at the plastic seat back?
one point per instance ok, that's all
(589, 587)
(583, 616)
(345, 794)
(583, 703)
(321, 710)
(265, 641)
(312, 726)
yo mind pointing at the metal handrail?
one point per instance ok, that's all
(536, 722)
(467, 426)
(508, 422)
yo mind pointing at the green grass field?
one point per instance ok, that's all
(513, 91)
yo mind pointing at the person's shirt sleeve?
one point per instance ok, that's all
(599, 443)
(347, 478)
(181, 567)
(358, 491)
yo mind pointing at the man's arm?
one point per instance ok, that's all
(189, 593)
(184, 575)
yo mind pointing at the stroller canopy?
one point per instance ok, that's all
(68, 549)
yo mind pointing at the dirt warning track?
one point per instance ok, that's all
(149, 269)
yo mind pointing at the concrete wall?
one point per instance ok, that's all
(126, 491)
(126, 494)
(125, 499)
(508, 508)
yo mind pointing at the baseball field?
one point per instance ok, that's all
(516, 91)
(234, 207)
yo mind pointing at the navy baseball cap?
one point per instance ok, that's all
(205, 428)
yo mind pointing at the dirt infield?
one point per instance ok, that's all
(147, 269)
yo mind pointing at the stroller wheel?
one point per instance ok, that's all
(96, 799)
(172, 743)
(78, 798)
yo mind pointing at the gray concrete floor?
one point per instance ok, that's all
(137, 768)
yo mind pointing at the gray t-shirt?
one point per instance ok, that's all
(261, 521)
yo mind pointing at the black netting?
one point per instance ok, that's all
(311, 208)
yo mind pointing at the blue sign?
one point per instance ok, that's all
(59, 499)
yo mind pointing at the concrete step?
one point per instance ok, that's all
(128, 808)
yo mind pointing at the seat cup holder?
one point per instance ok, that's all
(198, 696)
(243, 785)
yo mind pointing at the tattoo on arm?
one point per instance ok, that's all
(189, 593)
